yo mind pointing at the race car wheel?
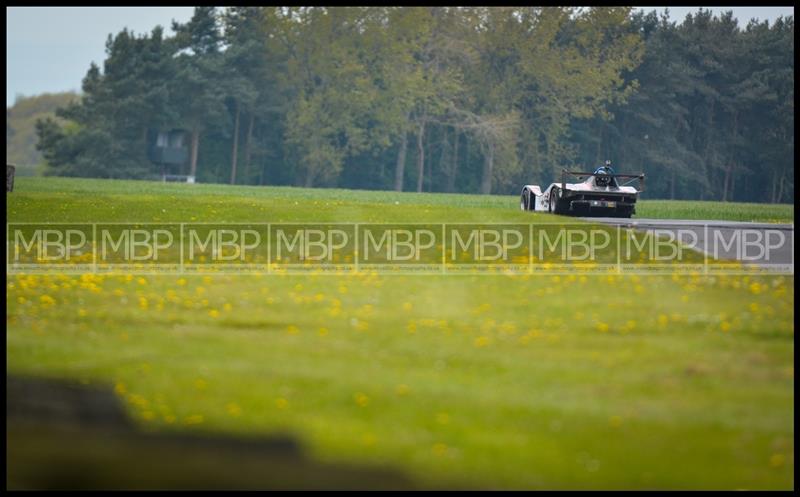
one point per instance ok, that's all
(553, 201)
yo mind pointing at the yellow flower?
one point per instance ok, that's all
(292, 329)
(361, 399)
(725, 326)
(213, 313)
(47, 300)
(481, 341)
(439, 449)
(407, 306)
(281, 403)
(602, 327)
(777, 460)
(138, 400)
(233, 409)
(323, 332)
(194, 419)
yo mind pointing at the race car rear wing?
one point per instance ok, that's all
(579, 174)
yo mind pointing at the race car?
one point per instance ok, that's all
(599, 194)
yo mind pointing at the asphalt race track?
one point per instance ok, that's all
(765, 244)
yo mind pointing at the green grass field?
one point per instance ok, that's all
(67, 199)
(489, 381)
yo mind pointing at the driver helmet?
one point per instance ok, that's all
(605, 169)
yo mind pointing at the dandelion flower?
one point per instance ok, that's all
(233, 409)
(361, 399)
(194, 419)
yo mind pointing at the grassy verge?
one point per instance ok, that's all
(480, 381)
(724, 211)
(68, 199)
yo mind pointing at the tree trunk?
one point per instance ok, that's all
(248, 142)
(774, 187)
(451, 177)
(726, 182)
(488, 165)
(235, 153)
(672, 186)
(597, 155)
(193, 157)
(420, 156)
(399, 170)
(445, 144)
(781, 185)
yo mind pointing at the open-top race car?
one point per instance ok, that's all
(599, 194)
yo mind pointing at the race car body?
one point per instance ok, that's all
(601, 193)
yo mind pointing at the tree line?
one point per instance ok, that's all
(449, 99)
(21, 136)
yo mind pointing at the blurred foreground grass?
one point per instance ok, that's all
(461, 380)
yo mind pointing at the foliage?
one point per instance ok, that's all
(21, 137)
(477, 99)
